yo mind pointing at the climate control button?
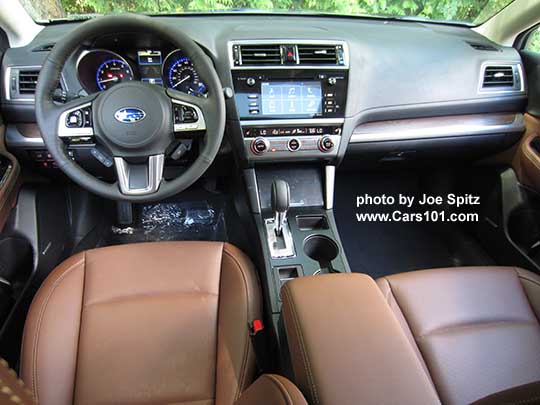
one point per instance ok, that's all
(326, 144)
(259, 146)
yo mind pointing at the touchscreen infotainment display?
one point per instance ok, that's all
(291, 98)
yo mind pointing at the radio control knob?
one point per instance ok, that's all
(250, 81)
(332, 80)
(326, 144)
(259, 146)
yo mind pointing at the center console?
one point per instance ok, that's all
(290, 97)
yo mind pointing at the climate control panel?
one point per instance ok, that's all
(291, 142)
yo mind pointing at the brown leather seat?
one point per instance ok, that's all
(144, 323)
(475, 329)
(451, 336)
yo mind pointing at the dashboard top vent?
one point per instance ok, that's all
(28, 81)
(43, 48)
(483, 47)
(288, 53)
(260, 54)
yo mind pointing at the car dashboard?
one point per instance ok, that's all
(301, 89)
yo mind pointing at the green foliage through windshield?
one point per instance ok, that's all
(470, 11)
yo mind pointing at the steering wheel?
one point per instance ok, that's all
(134, 122)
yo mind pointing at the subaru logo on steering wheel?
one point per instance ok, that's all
(129, 115)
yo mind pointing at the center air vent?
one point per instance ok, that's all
(319, 54)
(28, 81)
(260, 55)
(287, 53)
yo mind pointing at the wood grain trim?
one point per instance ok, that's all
(439, 127)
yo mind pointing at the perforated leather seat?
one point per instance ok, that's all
(475, 330)
(144, 323)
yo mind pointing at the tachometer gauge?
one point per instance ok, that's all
(180, 74)
(111, 72)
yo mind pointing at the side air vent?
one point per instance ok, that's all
(483, 47)
(260, 55)
(502, 78)
(21, 81)
(312, 54)
(498, 76)
(28, 81)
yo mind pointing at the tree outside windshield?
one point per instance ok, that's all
(467, 11)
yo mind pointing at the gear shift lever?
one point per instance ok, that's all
(281, 196)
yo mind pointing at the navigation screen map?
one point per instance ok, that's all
(291, 98)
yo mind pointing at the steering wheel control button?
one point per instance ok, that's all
(103, 158)
(259, 146)
(75, 119)
(293, 145)
(326, 144)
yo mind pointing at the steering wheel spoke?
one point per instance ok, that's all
(136, 179)
(75, 118)
(187, 111)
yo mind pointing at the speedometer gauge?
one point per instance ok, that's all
(111, 72)
(183, 77)
(180, 74)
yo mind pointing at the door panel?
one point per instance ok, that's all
(526, 161)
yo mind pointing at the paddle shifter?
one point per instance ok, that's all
(281, 196)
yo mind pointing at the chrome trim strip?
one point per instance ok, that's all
(329, 183)
(199, 125)
(253, 190)
(288, 41)
(64, 131)
(155, 175)
(292, 121)
(438, 127)
(502, 90)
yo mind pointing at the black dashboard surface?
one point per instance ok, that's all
(392, 63)
(397, 69)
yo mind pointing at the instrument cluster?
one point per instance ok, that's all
(100, 69)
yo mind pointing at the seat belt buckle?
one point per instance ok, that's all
(258, 341)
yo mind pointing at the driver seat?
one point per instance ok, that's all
(159, 322)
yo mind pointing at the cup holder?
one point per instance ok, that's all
(323, 250)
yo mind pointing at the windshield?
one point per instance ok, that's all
(461, 11)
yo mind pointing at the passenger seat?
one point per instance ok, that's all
(451, 336)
